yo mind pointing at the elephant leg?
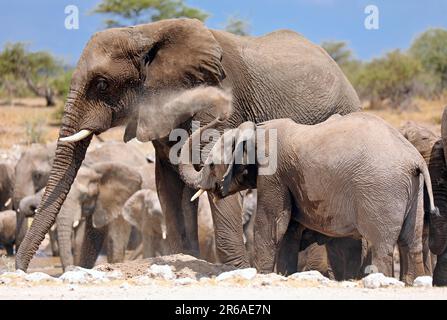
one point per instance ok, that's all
(290, 246)
(170, 188)
(228, 229)
(428, 267)
(149, 246)
(345, 258)
(137, 252)
(9, 249)
(440, 272)
(118, 235)
(190, 210)
(88, 244)
(53, 242)
(410, 242)
(272, 221)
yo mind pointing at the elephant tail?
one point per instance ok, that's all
(427, 180)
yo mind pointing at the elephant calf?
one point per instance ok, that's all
(351, 176)
(8, 230)
(143, 211)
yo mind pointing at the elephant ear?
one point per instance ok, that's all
(174, 55)
(133, 209)
(243, 155)
(118, 182)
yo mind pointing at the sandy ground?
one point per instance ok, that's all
(135, 280)
(193, 292)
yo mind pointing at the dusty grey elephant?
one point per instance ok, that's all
(6, 185)
(8, 230)
(143, 211)
(31, 175)
(431, 147)
(347, 176)
(122, 77)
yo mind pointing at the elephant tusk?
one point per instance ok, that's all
(164, 235)
(76, 224)
(8, 202)
(53, 228)
(197, 194)
(84, 133)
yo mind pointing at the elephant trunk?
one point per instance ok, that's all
(68, 159)
(188, 173)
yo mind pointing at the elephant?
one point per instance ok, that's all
(350, 176)
(31, 175)
(431, 147)
(8, 230)
(143, 211)
(125, 74)
(6, 185)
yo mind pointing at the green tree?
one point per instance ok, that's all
(431, 49)
(36, 69)
(237, 26)
(132, 12)
(391, 77)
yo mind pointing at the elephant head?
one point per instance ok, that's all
(29, 204)
(31, 175)
(225, 172)
(123, 76)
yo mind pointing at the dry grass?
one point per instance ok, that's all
(24, 120)
(429, 114)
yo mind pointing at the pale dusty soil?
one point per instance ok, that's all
(199, 292)
(260, 287)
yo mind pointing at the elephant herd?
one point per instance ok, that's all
(346, 190)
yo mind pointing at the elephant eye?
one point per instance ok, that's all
(212, 165)
(102, 85)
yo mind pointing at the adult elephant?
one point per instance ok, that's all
(6, 185)
(274, 76)
(432, 148)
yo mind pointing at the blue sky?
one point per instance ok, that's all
(41, 23)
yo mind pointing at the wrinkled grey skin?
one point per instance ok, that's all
(8, 230)
(6, 185)
(348, 176)
(277, 75)
(143, 211)
(31, 175)
(431, 147)
(28, 207)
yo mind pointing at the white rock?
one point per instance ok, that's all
(247, 274)
(378, 280)
(124, 285)
(115, 275)
(14, 274)
(161, 271)
(184, 281)
(82, 275)
(143, 280)
(39, 276)
(424, 281)
(310, 276)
